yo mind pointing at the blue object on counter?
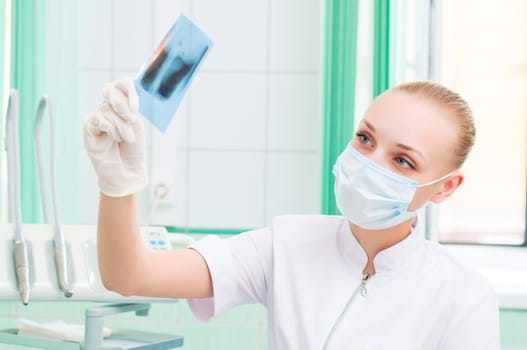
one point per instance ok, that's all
(163, 81)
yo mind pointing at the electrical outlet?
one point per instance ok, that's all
(161, 194)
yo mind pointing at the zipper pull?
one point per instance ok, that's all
(363, 290)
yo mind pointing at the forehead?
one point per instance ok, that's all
(415, 121)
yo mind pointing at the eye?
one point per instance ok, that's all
(401, 161)
(363, 138)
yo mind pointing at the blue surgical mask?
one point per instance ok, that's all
(371, 196)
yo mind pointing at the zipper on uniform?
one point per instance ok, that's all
(363, 290)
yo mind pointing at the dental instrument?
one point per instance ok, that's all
(15, 211)
(56, 329)
(59, 245)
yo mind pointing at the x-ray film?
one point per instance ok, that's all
(163, 81)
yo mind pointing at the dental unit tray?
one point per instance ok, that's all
(93, 334)
(84, 273)
(81, 249)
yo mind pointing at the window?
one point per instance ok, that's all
(477, 49)
(484, 58)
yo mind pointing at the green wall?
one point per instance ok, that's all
(27, 65)
(513, 324)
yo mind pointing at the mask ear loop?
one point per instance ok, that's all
(436, 181)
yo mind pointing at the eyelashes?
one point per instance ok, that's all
(363, 138)
(402, 161)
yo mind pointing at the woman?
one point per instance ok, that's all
(364, 280)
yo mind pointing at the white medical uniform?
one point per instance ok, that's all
(304, 269)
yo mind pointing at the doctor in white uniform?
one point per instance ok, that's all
(364, 280)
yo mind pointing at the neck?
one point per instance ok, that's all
(375, 241)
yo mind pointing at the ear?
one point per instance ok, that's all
(448, 187)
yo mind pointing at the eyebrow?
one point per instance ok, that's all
(400, 145)
(408, 148)
(368, 124)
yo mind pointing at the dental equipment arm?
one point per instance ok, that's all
(15, 211)
(59, 246)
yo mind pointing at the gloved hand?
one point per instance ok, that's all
(115, 141)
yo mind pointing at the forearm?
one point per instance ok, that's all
(120, 249)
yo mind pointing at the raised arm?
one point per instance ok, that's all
(114, 140)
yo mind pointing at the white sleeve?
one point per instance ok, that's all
(239, 267)
(475, 325)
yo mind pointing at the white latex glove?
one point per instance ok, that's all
(115, 141)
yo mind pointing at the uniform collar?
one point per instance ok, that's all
(390, 259)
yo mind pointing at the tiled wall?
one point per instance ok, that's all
(243, 147)
(245, 144)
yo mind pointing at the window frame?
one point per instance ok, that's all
(500, 264)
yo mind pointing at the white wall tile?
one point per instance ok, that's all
(68, 181)
(143, 206)
(118, 74)
(169, 167)
(295, 118)
(89, 90)
(295, 35)
(226, 189)
(228, 111)
(165, 14)
(94, 33)
(238, 29)
(293, 184)
(221, 109)
(133, 33)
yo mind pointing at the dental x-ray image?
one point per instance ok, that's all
(163, 81)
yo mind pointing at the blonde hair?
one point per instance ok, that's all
(453, 102)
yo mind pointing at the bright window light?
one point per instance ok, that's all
(484, 58)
